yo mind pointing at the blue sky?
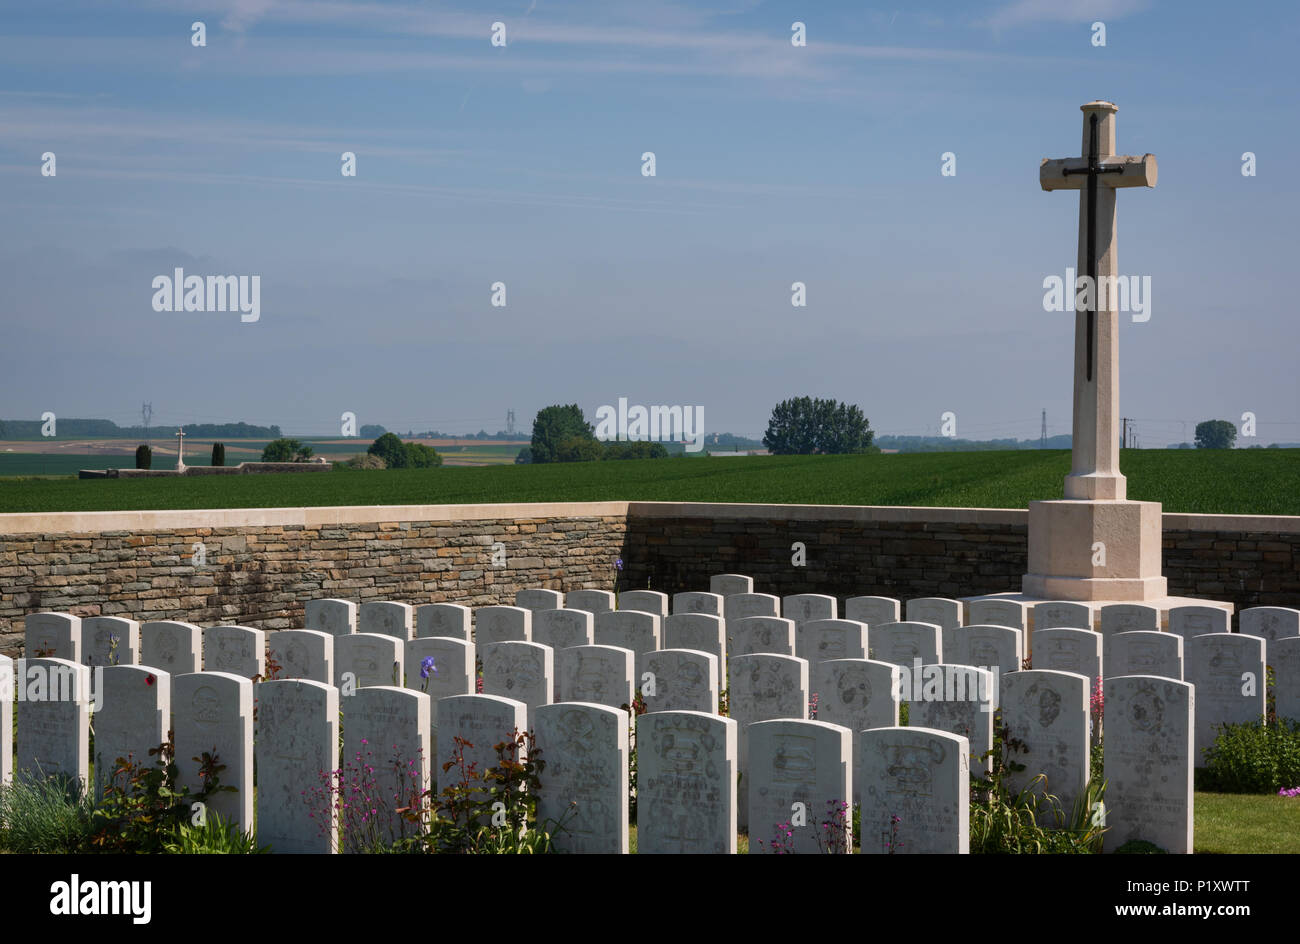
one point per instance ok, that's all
(522, 164)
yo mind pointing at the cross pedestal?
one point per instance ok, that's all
(1095, 546)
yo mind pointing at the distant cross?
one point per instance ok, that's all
(1095, 465)
(180, 449)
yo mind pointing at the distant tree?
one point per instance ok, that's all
(371, 431)
(389, 448)
(366, 461)
(420, 456)
(286, 450)
(218, 453)
(525, 456)
(635, 450)
(579, 449)
(1215, 434)
(143, 457)
(804, 426)
(553, 426)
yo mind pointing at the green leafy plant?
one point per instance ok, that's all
(634, 711)
(143, 806)
(1252, 758)
(215, 836)
(41, 815)
(1029, 821)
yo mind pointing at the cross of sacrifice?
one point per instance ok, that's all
(1095, 461)
(180, 449)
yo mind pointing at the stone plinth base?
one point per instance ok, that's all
(1093, 551)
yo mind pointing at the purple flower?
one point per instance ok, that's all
(427, 666)
(618, 564)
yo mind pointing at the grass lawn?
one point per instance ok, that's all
(1247, 823)
(1258, 481)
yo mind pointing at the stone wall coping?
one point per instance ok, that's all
(84, 522)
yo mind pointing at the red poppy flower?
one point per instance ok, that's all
(149, 679)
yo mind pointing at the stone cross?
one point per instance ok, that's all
(1094, 472)
(180, 449)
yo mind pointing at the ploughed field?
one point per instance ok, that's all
(1241, 481)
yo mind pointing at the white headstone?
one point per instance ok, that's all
(387, 729)
(764, 687)
(647, 601)
(8, 688)
(213, 713)
(821, 640)
(1227, 670)
(503, 624)
(599, 675)
(336, 617)
(752, 634)
(1144, 653)
(987, 646)
(1062, 614)
(728, 584)
(1285, 658)
(998, 613)
(686, 783)
(54, 729)
(561, 629)
(872, 610)
(944, 613)
(964, 705)
(297, 743)
(386, 618)
(628, 629)
(1270, 622)
(303, 654)
(524, 671)
(539, 599)
(904, 643)
(443, 619)
(362, 660)
(692, 602)
(593, 601)
(800, 787)
(238, 650)
(1188, 621)
(172, 646)
(915, 791)
(52, 636)
(483, 721)
(110, 640)
(585, 784)
(1129, 618)
(700, 631)
(682, 680)
(132, 717)
(1048, 711)
(806, 607)
(1148, 762)
(739, 605)
(1069, 650)
(858, 694)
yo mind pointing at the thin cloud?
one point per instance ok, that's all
(1031, 12)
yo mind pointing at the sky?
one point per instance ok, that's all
(522, 164)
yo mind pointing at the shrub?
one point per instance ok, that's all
(420, 456)
(553, 426)
(286, 450)
(366, 461)
(579, 449)
(214, 837)
(143, 457)
(1253, 758)
(635, 450)
(41, 816)
(218, 453)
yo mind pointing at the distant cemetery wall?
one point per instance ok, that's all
(257, 567)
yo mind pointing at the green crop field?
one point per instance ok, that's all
(1257, 481)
